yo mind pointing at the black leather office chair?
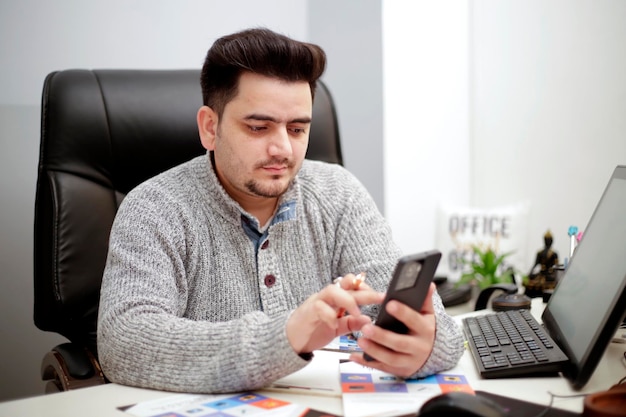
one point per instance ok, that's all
(102, 133)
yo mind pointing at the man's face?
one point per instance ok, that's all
(261, 139)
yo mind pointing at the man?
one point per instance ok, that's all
(220, 271)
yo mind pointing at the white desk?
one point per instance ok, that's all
(609, 371)
(104, 400)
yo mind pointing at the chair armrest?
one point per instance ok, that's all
(70, 366)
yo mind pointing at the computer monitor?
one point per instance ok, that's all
(589, 302)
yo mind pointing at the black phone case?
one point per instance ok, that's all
(413, 296)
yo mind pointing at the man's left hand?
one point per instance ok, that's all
(400, 354)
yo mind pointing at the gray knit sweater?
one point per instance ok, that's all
(188, 303)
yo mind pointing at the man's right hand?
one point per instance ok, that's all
(316, 322)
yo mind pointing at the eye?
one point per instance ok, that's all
(298, 130)
(256, 128)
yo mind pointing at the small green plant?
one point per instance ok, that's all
(485, 269)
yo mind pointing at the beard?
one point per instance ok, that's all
(273, 190)
(268, 192)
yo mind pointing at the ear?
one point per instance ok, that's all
(207, 127)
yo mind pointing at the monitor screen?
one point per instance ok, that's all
(589, 301)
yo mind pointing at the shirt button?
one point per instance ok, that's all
(270, 280)
(265, 244)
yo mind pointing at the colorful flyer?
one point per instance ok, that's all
(369, 392)
(346, 344)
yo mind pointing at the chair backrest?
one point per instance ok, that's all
(102, 133)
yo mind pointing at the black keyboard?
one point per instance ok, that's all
(511, 343)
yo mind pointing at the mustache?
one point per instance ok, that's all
(276, 161)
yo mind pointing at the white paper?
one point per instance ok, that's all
(191, 405)
(320, 377)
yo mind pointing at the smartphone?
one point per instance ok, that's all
(409, 285)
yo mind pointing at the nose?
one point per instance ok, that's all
(280, 143)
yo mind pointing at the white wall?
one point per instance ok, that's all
(351, 34)
(37, 37)
(426, 115)
(492, 102)
(548, 108)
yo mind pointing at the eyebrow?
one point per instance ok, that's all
(265, 118)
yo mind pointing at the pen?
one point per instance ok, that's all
(358, 280)
(356, 283)
(572, 239)
(300, 387)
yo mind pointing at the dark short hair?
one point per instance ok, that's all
(260, 51)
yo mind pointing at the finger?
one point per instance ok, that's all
(418, 324)
(406, 356)
(362, 298)
(342, 283)
(355, 323)
(325, 313)
(378, 343)
(346, 297)
(428, 307)
(341, 300)
(421, 329)
(367, 296)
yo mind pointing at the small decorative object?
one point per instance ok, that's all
(571, 232)
(574, 239)
(487, 268)
(543, 274)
